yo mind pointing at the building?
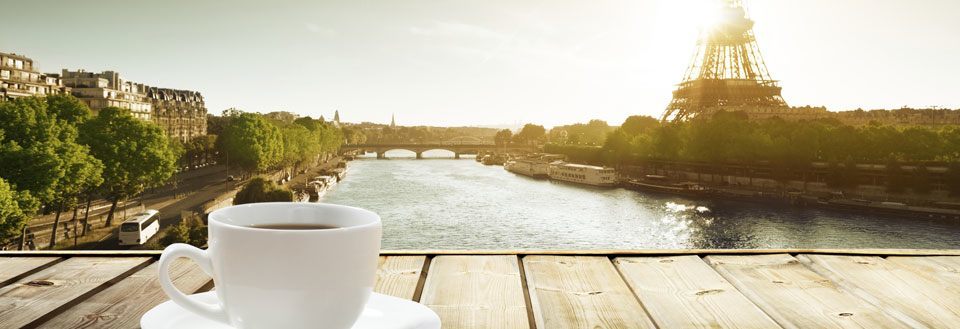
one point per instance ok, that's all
(20, 78)
(181, 114)
(107, 89)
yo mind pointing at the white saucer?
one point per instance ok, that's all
(382, 312)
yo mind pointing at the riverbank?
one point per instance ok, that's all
(835, 201)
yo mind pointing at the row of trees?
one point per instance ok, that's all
(55, 155)
(788, 147)
(730, 137)
(530, 133)
(252, 142)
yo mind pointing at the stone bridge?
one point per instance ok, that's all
(418, 148)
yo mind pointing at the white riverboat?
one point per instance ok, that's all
(535, 165)
(583, 174)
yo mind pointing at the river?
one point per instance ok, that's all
(442, 203)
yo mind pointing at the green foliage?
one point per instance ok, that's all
(591, 133)
(639, 124)
(787, 147)
(530, 133)
(262, 190)
(135, 153)
(503, 137)
(190, 230)
(15, 208)
(39, 150)
(69, 109)
(576, 153)
(200, 149)
(250, 142)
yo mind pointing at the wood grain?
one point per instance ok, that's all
(399, 276)
(685, 292)
(943, 270)
(122, 305)
(610, 252)
(896, 290)
(44, 292)
(581, 292)
(476, 292)
(12, 269)
(797, 297)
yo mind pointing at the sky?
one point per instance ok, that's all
(488, 62)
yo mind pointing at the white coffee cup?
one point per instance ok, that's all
(284, 278)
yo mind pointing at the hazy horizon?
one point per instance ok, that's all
(491, 63)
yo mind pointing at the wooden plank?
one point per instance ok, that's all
(797, 297)
(58, 286)
(889, 286)
(399, 276)
(581, 292)
(942, 270)
(122, 305)
(674, 252)
(685, 292)
(612, 252)
(12, 269)
(476, 292)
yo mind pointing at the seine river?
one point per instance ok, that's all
(441, 203)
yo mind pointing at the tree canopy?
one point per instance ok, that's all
(135, 153)
(250, 142)
(530, 133)
(503, 137)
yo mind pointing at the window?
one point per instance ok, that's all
(130, 227)
(4, 74)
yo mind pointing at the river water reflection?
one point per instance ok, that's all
(441, 203)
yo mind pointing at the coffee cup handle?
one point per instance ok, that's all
(211, 311)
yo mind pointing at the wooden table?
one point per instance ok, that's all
(546, 289)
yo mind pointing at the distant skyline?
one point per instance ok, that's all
(487, 63)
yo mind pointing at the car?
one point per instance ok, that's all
(231, 178)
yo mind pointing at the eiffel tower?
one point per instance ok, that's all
(726, 72)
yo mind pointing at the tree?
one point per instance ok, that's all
(200, 149)
(189, 230)
(135, 154)
(639, 124)
(69, 109)
(262, 190)
(300, 145)
(503, 137)
(250, 142)
(40, 153)
(15, 207)
(530, 133)
(617, 147)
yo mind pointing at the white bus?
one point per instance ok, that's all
(140, 228)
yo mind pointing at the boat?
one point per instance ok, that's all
(651, 184)
(494, 159)
(583, 174)
(535, 165)
(319, 186)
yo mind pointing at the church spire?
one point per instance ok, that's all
(336, 116)
(393, 120)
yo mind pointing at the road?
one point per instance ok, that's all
(194, 188)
